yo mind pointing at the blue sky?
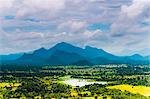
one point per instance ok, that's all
(101, 26)
(121, 27)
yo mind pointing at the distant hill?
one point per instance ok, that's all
(10, 56)
(66, 54)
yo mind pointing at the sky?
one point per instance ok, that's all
(121, 27)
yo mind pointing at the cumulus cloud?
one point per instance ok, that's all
(130, 18)
(30, 7)
(27, 8)
(136, 8)
(5, 5)
(72, 26)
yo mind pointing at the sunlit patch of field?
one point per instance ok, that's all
(99, 97)
(4, 86)
(143, 90)
(74, 92)
(9, 85)
(88, 98)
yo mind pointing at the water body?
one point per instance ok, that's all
(80, 83)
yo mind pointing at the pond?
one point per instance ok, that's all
(81, 82)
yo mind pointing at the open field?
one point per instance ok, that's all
(2, 85)
(143, 90)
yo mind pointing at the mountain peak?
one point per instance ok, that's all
(137, 55)
(88, 47)
(92, 48)
(63, 44)
(66, 54)
(40, 51)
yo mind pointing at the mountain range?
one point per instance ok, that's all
(66, 54)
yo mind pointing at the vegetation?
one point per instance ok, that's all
(134, 89)
(123, 82)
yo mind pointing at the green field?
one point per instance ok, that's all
(143, 90)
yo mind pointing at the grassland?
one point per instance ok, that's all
(2, 85)
(143, 90)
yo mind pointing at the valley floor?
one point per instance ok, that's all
(82, 82)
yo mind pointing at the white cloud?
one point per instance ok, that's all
(5, 5)
(31, 7)
(72, 25)
(130, 18)
(91, 34)
(136, 9)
